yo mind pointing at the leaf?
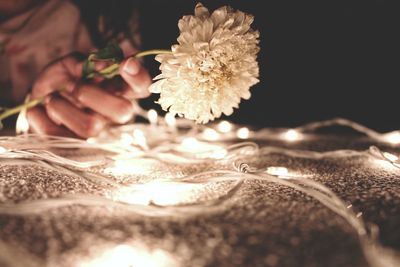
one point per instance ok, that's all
(88, 69)
(111, 52)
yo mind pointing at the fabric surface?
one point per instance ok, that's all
(262, 223)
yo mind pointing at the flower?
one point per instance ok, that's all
(211, 68)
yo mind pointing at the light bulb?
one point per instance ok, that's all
(243, 133)
(277, 171)
(190, 143)
(22, 125)
(210, 134)
(152, 116)
(393, 137)
(126, 139)
(292, 135)
(139, 138)
(2, 149)
(390, 156)
(224, 127)
(170, 119)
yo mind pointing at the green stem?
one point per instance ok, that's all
(30, 104)
(107, 72)
(112, 70)
(152, 52)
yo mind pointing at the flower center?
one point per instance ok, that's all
(214, 71)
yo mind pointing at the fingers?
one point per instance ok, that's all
(136, 76)
(119, 87)
(83, 124)
(66, 114)
(117, 109)
(40, 123)
(62, 74)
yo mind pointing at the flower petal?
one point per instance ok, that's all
(201, 11)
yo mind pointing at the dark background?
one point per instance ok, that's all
(318, 59)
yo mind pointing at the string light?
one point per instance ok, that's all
(384, 159)
(140, 138)
(190, 143)
(22, 124)
(292, 135)
(243, 133)
(158, 192)
(170, 119)
(172, 192)
(210, 134)
(393, 138)
(390, 156)
(277, 171)
(91, 140)
(126, 139)
(224, 127)
(219, 153)
(152, 115)
(128, 256)
(126, 166)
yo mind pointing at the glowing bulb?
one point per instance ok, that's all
(127, 256)
(277, 171)
(129, 166)
(160, 193)
(139, 138)
(390, 157)
(190, 143)
(201, 149)
(219, 154)
(210, 134)
(170, 119)
(91, 140)
(224, 127)
(292, 135)
(152, 116)
(393, 137)
(243, 133)
(2, 149)
(22, 125)
(126, 139)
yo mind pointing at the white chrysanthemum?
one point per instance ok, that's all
(213, 66)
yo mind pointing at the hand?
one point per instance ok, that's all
(84, 108)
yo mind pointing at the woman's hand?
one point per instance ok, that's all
(84, 108)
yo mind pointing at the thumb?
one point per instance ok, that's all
(136, 76)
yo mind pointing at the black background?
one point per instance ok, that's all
(318, 60)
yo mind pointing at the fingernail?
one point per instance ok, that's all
(47, 99)
(131, 66)
(141, 91)
(69, 87)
